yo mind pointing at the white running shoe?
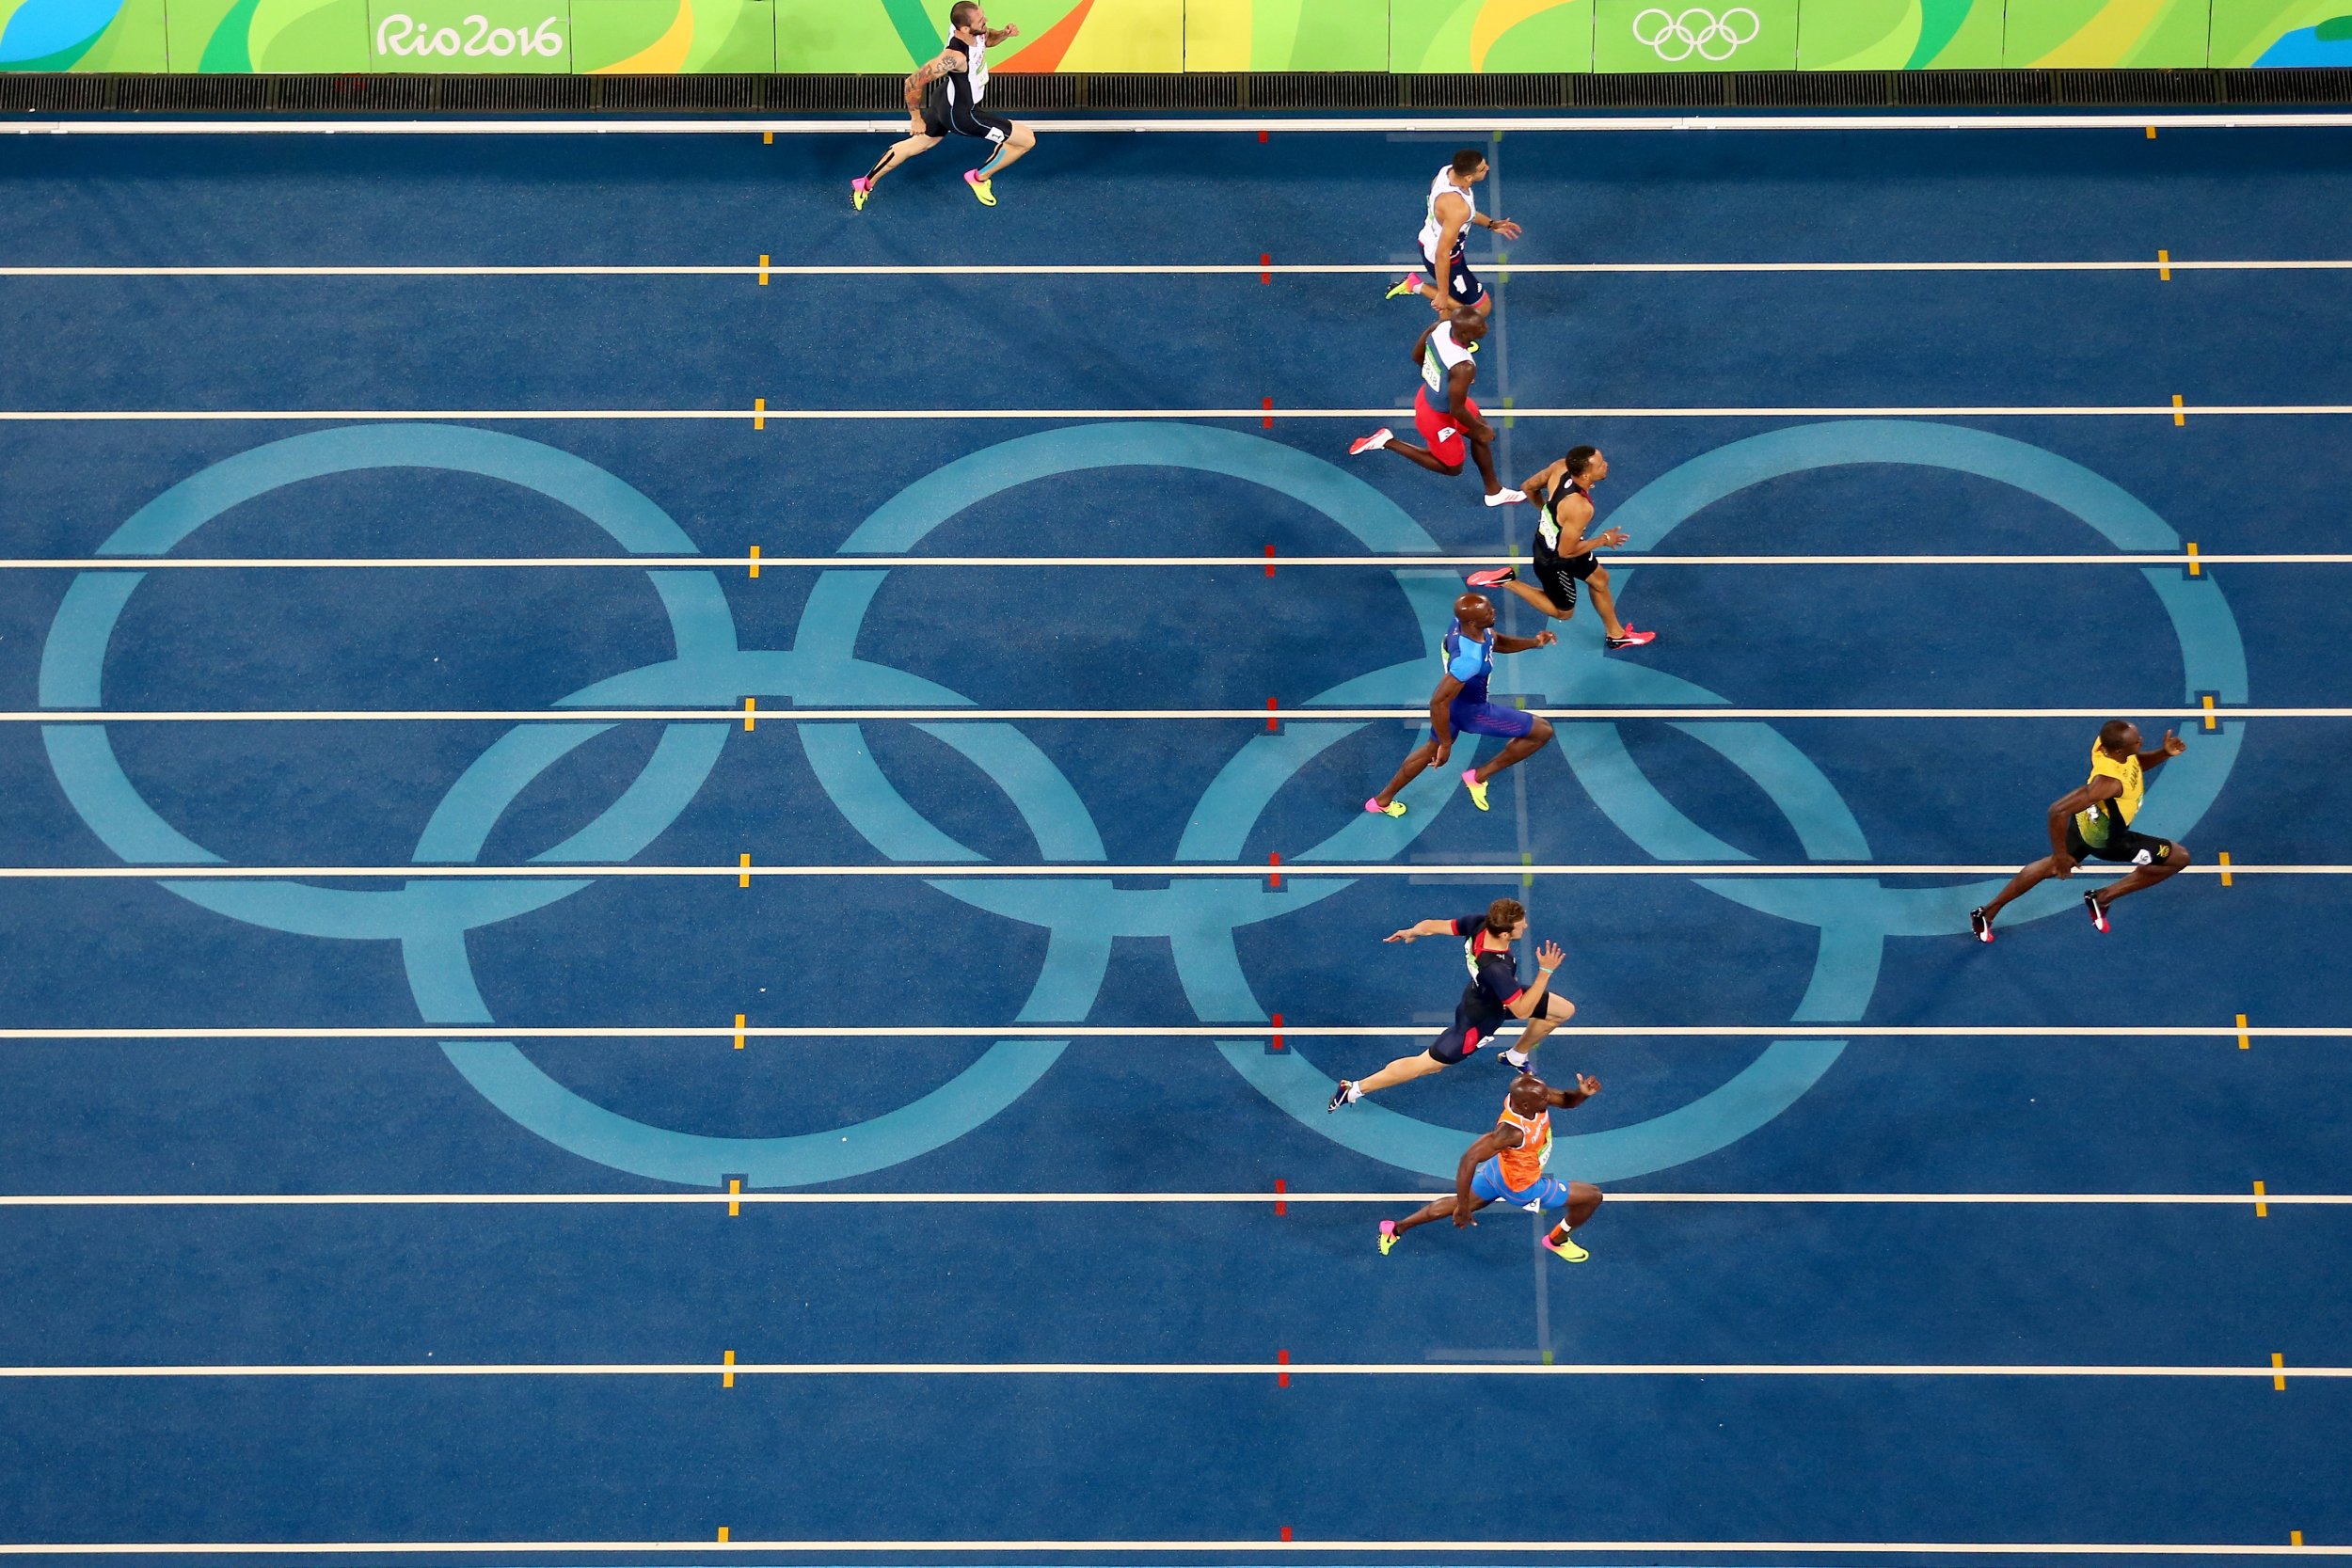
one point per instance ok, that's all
(1373, 442)
(1506, 497)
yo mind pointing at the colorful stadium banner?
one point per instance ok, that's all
(1489, 35)
(2282, 32)
(2057, 33)
(1056, 35)
(661, 37)
(82, 35)
(1296, 34)
(1899, 34)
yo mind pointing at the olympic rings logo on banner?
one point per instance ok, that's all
(1676, 36)
(1200, 919)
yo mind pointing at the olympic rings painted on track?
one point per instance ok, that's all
(1676, 36)
(1082, 915)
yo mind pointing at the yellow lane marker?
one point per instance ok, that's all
(1510, 420)
(2294, 1538)
(2244, 1043)
(2261, 1210)
(2164, 266)
(2278, 1372)
(2225, 883)
(2211, 723)
(743, 875)
(2151, 132)
(763, 270)
(751, 714)
(2179, 415)
(2196, 568)
(726, 1380)
(738, 1031)
(2192, 571)
(768, 138)
(1527, 878)
(759, 412)
(723, 1535)
(1503, 261)
(735, 1191)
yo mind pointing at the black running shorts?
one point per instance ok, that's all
(1558, 576)
(2123, 847)
(1454, 1045)
(945, 113)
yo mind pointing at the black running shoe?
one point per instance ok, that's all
(2098, 911)
(1338, 1096)
(1982, 923)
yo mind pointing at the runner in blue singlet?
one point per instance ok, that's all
(1459, 705)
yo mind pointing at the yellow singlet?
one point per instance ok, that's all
(2105, 817)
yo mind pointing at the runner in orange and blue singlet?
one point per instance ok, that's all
(1507, 1167)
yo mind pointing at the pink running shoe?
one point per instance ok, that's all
(860, 189)
(1373, 442)
(1493, 578)
(1632, 638)
(1394, 808)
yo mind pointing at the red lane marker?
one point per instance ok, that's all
(1273, 725)
(1280, 1186)
(1286, 1530)
(1265, 260)
(1264, 137)
(1270, 560)
(1274, 882)
(1277, 1043)
(1268, 419)
(1282, 1380)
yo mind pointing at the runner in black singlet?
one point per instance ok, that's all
(944, 100)
(1563, 551)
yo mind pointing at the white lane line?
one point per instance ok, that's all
(297, 1200)
(1193, 1030)
(1287, 1547)
(1081, 871)
(2226, 120)
(892, 562)
(1160, 1368)
(994, 715)
(1172, 269)
(745, 416)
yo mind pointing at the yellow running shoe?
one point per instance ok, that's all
(1388, 1236)
(1394, 808)
(1410, 283)
(979, 187)
(859, 191)
(1565, 1249)
(1478, 791)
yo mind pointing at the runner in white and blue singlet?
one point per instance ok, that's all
(1459, 705)
(1451, 211)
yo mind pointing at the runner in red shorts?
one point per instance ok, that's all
(1444, 355)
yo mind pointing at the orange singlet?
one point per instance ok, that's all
(1522, 1166)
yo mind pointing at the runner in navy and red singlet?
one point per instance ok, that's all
(1507, 1167)
(1459, 705)
(1452, 213)
(944, 100)
(1493, 997)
